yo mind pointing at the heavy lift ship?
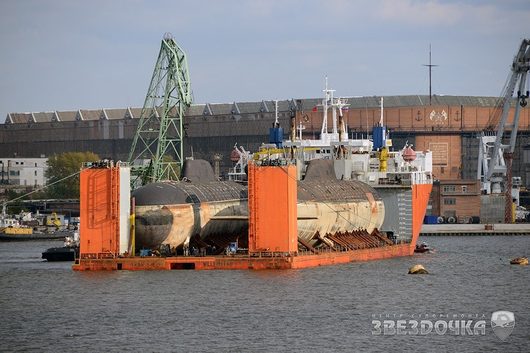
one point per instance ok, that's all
(307, 203)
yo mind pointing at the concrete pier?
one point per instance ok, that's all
(475, 229)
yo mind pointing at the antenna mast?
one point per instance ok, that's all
(430, 66)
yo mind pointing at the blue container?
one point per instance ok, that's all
(430, 220)
(379, 136)
(276, 136)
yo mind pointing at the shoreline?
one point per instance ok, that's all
(475, 229)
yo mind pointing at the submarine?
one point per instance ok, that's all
(171, 213)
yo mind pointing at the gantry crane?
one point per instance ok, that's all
(496, 151)
(157, 151)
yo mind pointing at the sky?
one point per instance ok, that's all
(69, 55)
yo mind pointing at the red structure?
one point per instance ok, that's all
(99, 212)
(272, 209)
(104, 211)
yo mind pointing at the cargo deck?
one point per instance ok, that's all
(244, 262)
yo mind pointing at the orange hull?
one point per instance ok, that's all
(420, 200)
(243, 262)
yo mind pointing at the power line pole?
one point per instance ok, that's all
(430, 66)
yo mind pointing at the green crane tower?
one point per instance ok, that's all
(157, 151)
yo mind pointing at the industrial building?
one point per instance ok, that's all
(29, 172)
(449, 126)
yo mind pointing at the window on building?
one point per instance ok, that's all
(449, 188)
(526, 156)
(35, 173)
(464, 188)
(35, 164)
(449, 201)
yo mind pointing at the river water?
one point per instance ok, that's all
(48, 307)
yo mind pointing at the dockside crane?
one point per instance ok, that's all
(496, 151)
(157, 151)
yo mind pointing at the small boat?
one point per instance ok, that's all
(60, 254)
(423, 247)
(11, 229)
(7, 236)
(68, 252)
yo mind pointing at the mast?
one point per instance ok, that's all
(327, 103)
(276, 123)
(300, 129)
(430, 66)
(324, 129)
(381, 119)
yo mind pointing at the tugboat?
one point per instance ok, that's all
(68, 252)
(423, 247)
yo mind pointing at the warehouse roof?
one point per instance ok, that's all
(236, 108)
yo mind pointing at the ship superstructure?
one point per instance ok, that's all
(403, 178)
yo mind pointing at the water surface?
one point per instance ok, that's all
(48, 307)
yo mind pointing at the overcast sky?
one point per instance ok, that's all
(69, 55)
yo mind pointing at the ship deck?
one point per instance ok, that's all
(260, 261)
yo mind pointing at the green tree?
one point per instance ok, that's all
(63, 165)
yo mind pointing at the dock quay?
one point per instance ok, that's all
(475, 229)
